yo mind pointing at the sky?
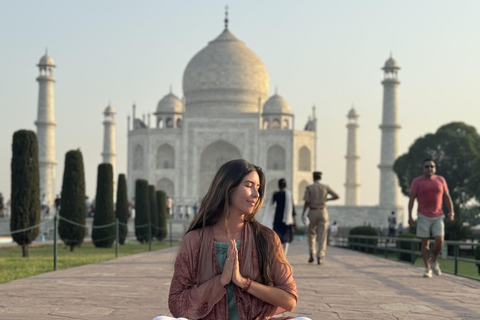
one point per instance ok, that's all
(323, 53)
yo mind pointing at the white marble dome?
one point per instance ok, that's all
(46, 60)
(226, 72)
(109, 110)
(391, 64)
(276, 104)
(169, 104)
(352, 114)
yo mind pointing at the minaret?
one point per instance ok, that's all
(46, 128)
(389, 189)
(352, 186)
(108, 153)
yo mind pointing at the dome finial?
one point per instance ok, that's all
(391, 55)
(170, 88)
(226, 17)
(276, 89)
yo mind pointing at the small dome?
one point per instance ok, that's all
(46, 60)
(109, 110)
(352, 114)
(169, 104)
(391, 64)
(276, 104)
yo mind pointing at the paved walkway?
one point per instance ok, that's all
(349, 285)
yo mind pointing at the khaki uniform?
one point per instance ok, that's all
(316, 195)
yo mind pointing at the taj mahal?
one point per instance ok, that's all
(226, 113)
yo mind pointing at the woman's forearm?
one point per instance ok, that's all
(272, 295)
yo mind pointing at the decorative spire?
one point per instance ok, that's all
(276, 90)
(226, 17)
(170, 88)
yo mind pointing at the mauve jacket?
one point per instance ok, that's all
(196, 291)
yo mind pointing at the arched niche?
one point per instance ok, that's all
(276, 124)
(165, 157)
(138, 157)
(304, 159)
(276, 158)
(211, 159)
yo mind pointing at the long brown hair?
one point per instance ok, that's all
(216, 205)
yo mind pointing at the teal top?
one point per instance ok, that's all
(221, 249)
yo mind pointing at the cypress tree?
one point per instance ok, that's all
(103, 237)
(121, 207)
(142, 210)
(25, 203)
(73, 200)
(162, 214)
(153, 210)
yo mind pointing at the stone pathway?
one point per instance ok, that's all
(349, 285)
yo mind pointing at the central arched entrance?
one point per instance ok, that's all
(211, 159)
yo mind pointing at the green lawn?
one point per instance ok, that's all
(468, 269)
(14, 266)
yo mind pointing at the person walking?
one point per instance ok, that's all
(58, 202)
(392, 225)
(316, 197)
(431, 191)
(332, 231)
(282, 215)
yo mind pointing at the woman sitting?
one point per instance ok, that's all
(229, 266)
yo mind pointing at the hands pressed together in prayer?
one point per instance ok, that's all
(231, 269)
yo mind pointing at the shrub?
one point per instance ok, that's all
(162, 214)
(455, 231)
(142, 210)
(25, 205)
(359, 244)
(73, 200)
(477, 257)
(153, 210)
(104, 237)
(407, 245)
(121, 208)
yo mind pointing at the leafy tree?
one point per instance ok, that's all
(103, 237)
(25, 203)
(153, 210)
(73, 200)
(142, 210)
(121, 208)
(162, 214)
(455, 148)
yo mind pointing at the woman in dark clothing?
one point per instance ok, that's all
(284, 217)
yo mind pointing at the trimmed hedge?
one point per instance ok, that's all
(153, 210)
(407, 245)
(162, 214)
(73, 200)
(363, 231)
(142, 210)
(105, 236)
(121, 208)
(25, 205)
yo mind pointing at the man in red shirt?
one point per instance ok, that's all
(431, 191)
